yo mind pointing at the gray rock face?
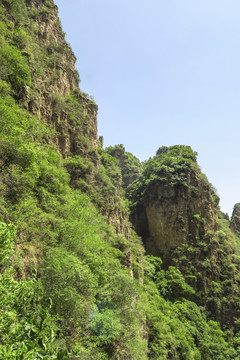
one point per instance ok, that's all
(58, 80)
(173, 215)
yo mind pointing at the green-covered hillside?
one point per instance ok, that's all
(76, 280)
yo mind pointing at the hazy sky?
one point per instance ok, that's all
(164, 72)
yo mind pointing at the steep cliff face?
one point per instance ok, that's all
(51, 93)
(130, 169)
(71, 284)
(175, 211)
(58, 186)
(175, 214)
(49, 35)
(72, 115)
(57, 79)
(176, 204)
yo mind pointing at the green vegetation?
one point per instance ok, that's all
(13, 64)
(72, 286)
(235, 219)
(173, 165)
(178, 328)
(70, 106)
(208, 260)
(62, 224)
(130, 165)
(211, 266)
(27, 328)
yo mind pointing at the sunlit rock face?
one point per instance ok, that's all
(174, 215)
(71, 115)
(57, 79)
(171, 214)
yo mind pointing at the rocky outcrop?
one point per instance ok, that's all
(171, 215)
(71, 114)
(55, 99)
(118, 218)
(173, 201)
(54, 79)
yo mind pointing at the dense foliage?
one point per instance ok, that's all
(172, 165)
(82, 264)
(28, 330)
(209, 258)
(71, 286)
(128, 163)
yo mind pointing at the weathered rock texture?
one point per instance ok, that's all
(172, 215)
(173, 202)
(58, 80)
(71, 115)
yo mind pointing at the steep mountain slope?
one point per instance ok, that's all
(175, 210)
(50, 159)
(174, 200)
(74, 281)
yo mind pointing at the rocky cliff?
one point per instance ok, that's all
(58, 187)
(56, 84)
(175, 211)
(174, 215)
(175, 202)
(72, 284)
(54, 97)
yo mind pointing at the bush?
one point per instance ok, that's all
(13, 66)
(27, 330)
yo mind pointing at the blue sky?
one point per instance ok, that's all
(164, 72)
